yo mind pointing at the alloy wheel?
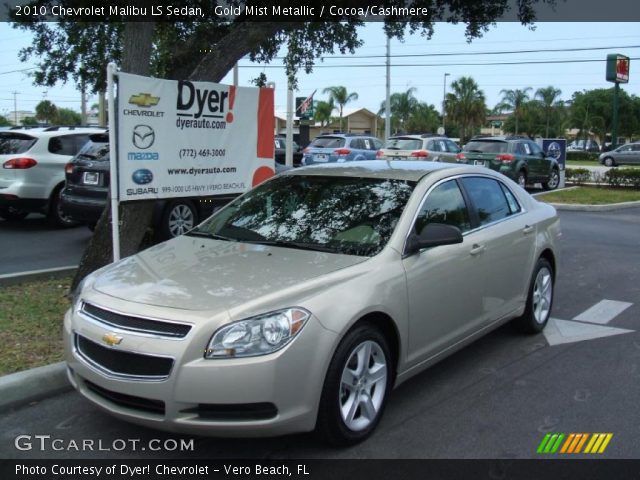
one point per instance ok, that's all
(181, 220)
(542, 295)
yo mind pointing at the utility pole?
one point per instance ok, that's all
(444, 99)
(387, 103)
(83, 103)
(15, 109)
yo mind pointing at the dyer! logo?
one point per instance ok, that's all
(143, 136)
(574, 443)
(196, 102)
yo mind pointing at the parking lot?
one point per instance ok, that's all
(497, 398)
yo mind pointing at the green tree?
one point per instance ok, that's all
(66, 116)
(30, 121)
(513, 100)
(424, 118)
(402, 105)
(549, 97)
(4, 122)
(78, 51)
(323, 111)
(465, 106)
(339, 96)
(46, 111)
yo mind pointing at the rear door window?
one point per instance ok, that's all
(328, 142)
(444, 204)
(15, 143)
(488, 198)
(67, 144)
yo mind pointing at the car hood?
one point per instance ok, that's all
(212, 275)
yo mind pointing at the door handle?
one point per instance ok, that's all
(476, 249)
(527, 229)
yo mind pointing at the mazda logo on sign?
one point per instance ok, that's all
(143, 136)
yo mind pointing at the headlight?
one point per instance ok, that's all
(76, 295)
(257, 335)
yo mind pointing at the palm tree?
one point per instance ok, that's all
(424, 118)
(513, 100)
(465, 106)
(339, 96)
(323, 111)
(549, 98)
(402, 106)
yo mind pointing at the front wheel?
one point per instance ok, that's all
(178, 218)
(553, 181)
(521, 179)
(609, 162)
(539, 300)
(356, 387)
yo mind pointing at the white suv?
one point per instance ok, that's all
(419, 147)
(32, 170)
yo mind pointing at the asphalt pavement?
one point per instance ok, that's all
(497, 398)
(32, 244)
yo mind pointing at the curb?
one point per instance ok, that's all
(594, 208)
(31, 385)
(19, 277)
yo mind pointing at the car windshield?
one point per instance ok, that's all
(404, 144)
(95, 149)
(346, 215)
(328, 142)
(14, 143)
(486, 146)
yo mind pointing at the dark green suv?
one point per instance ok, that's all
(519, 158)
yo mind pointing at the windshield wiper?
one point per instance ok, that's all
(298, 245)
(214, 236)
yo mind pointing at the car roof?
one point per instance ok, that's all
(392, 169)
(44, 132)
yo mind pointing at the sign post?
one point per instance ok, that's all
(113, 164)
(617, 72)
(556, 148)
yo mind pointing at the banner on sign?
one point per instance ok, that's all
(185, 139)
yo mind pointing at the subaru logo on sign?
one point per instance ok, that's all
(142, 176)
(554, 150)
(143, 136)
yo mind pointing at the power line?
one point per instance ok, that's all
(378, 65)
(18, 71)
(503, 52)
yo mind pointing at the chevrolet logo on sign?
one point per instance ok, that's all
(111, 339)
(145, 100)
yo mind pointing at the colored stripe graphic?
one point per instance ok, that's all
(574, 443)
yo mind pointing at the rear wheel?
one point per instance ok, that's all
(57, 216)
(553, 181)
(609, 162)
(356, 387)
(539, 300)
(11, 214)
(521, 179)
(178, 218)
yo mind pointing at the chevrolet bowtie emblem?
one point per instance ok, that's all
(111, 339)
(144, 100)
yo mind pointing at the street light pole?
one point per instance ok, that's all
(444, 96)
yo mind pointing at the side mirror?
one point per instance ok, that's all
(433, 235)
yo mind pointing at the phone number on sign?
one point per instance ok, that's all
(202, 153)
(235, 186)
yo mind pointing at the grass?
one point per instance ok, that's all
(582, 163)
(31, 316)
(591, 196)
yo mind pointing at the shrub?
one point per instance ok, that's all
(577, 175)
(623, 177)
(583, 156)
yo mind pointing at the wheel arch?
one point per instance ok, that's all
(548, 255)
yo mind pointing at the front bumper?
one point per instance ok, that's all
(269, 395)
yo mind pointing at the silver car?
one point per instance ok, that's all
(302, 303)
(624, 154)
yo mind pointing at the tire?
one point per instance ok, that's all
(521, 178)
(56, 216)
(539, 299)
(608, 162)
(343, 418)
(553, 181)
(178, 217)
(11, 214)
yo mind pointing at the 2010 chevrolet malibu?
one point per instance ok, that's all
(302, 303)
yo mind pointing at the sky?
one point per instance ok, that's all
(426, 73)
